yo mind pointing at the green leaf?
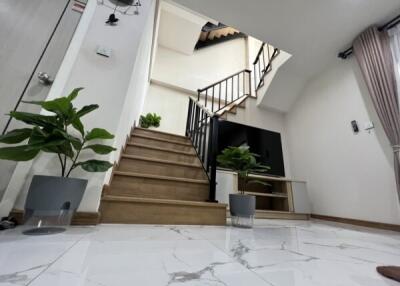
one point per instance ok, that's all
(37, 136)
(16, 136)
(77, 124)
(18, 153)
(95, 165)
(66, 149)
(151, 119)
(100, 148)
(61, 106)
(44, 145)
(98, 133)
(86, 109)
(241, 160)
(35, 119)
(74, 93)
(259, 182)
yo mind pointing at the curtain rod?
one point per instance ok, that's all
(389, 25)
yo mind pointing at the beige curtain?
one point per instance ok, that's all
(373, 53)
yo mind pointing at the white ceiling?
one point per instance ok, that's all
(313, 31)
(179, 29)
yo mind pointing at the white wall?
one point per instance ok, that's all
(171, 105)
(206, 66)
(348, 175)
(108, 82)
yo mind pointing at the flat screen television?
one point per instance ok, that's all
(265, 143)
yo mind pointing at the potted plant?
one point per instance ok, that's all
(242, 161)
(62, 134)
(150, 120)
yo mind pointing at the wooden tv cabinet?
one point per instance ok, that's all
(283, 199)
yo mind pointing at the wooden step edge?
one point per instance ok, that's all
(157, 177)
(110, 198)
(162, 139)
(168, 162)
(162, 149)
(161, 132)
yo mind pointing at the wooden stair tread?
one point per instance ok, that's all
(162, 149)
(157, 177)
(162, 201)
(161, 139)
(134, 157)
(160, 132)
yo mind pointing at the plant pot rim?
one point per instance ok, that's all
(242, 195)
(60, 177)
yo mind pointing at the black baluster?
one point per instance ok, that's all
(213, 149)
(254, 75)
(193, 116)
(189, 115)
(200, 137)
(212, 106)
(226, 92)
(238, 86)
(196, 125)
(263, 57)
(232, 90)
(250, 89)
(219, 96)
(244, 86)
(203, 154)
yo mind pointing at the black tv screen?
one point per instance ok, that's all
(265, 143)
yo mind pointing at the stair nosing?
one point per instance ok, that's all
(162, 149)
(162, 201)
(161, 132)
(188, 144)
(158, 177)
(169, 162)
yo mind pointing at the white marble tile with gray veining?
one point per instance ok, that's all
(274, 252)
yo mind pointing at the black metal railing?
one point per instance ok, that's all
(202, 129)
(262, 65)
(213, 100)
(219, 95)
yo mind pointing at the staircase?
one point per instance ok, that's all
(159, 180)
(212, 34)
(164, 178)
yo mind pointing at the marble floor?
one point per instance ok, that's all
(280, 253)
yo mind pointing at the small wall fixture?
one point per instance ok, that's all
(354, 126)
(112, 20)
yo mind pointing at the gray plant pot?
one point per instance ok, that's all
(242, 209)
(242, 205)
(54, 197)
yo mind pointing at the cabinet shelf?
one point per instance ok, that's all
(283, 196)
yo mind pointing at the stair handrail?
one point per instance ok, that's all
(261, 67)
(229, 89)
(202, 129)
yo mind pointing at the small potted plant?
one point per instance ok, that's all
(150, 120)
(62, 134)
(242, 161)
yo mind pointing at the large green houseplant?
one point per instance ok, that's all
(62, 134)
(243, 162)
